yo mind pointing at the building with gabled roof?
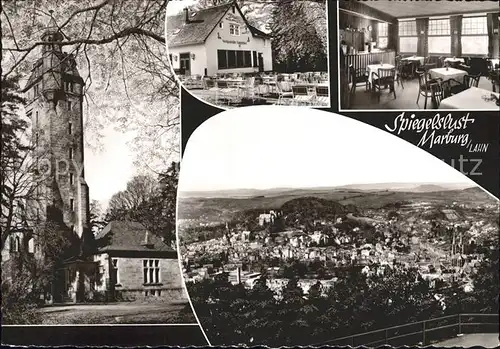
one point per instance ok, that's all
(217, 40)
(133, 263)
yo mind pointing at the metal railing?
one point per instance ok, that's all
(422, 332)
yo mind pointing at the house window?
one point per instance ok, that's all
(72, 204)
(151, 271)
(228, 59)
(408, 36)
(69, 86)
(71, 179)
(475, 35)
(255, 62)
(221, 25)
(383, 29)
(35, 90)
(70, 153)
(70, 128)
(115, 277)
(69, 105)
(439, 39)
(234, 29)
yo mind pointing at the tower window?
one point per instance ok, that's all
(36, 118)
(70, 128)
(70, 153)
(72, 204)
(17, 244)
(35, 90)
(71, 179)
(69, 105)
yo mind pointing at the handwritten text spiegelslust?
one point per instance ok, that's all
(429, 126)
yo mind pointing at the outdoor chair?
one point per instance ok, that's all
(284, 91)
(301, 95)
(225, 91)
(248, 89)
(322, 95)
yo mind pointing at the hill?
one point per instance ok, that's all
(217, 209)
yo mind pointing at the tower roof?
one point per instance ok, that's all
(52, 28)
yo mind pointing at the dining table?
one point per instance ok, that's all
(447, 74)
(473, 98)
(454, 60)
(415, 59)
(373, 68)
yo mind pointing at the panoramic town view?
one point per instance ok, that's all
(338, 262)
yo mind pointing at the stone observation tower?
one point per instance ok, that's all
(54, 94)
(54, 97)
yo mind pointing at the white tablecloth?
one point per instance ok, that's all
(454, 60)
(373, 68)
(470, 99)
(447, 74)
(414, 59)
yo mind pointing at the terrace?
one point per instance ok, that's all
(236, 90)
(464, 330)
(399, 55)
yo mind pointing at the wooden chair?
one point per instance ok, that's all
(385, 77)
(358, 76)
(424, 86)
(467, 82)
(439, 92)
(429, 64)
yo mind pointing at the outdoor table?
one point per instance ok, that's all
(373, 68)
(448, 73)
(414, 59)
(470, 99)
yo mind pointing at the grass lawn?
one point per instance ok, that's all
(119, 313)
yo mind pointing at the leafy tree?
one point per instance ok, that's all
(149, 201)
(299, 35)
(97, 219)
(119, 49)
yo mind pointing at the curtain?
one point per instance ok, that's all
(492, 38)
(456, 35)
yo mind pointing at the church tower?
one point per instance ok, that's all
(54, 94)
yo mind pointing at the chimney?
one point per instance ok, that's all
(146, 242)
(186, 15)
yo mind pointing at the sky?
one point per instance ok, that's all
(276, 147)
(107, 170)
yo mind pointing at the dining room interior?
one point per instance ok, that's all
(419, 55)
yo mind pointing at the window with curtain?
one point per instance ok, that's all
(408, 36)
(383, 30)
(439, 38)
(475, 35)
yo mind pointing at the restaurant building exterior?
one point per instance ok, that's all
(217, 40)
